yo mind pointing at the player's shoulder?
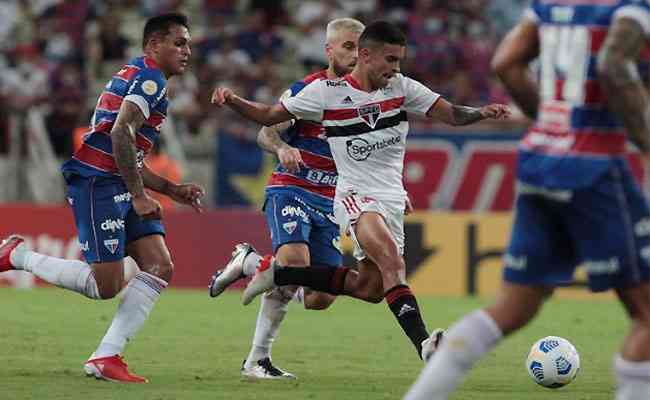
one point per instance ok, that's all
(299, 85)
(147, 69)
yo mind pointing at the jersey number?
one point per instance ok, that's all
(564, 58)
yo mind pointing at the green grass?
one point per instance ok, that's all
(192, 348)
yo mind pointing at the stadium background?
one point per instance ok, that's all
(55, 57)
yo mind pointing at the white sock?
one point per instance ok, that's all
(633, 379)
(140, 296)
(251, 262)
(69, 274)
(465, 343)
(272, 312)
(299, 297)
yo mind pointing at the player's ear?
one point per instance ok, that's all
(364, 54)
(328, 50)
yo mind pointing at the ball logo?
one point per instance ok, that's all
(360, 149)
(149, 87)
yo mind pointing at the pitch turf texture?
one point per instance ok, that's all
(192, 348)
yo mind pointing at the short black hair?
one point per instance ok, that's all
(161, 24)
(380, 32)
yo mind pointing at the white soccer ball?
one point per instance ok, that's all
(553, 362)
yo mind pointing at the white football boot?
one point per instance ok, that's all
(234, 270)
(264, 369)
(430, 345)
(262, 280)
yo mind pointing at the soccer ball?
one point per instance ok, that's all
(553, 362)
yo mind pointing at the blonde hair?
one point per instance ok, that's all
(342, 24)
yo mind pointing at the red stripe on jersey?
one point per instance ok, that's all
(316, 75)
(319, 162)
(585, 141)
(150, 62)
(142, 142)
(110, 102)
(598, 35)
(349, 113)
(96, 158)
(104, 127)
(155, 120)
(593, 92)
(127, 72)
(310, 129)
(280, 179)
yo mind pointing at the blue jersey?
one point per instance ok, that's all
(575, 138)
(141, 82)
(316, 180)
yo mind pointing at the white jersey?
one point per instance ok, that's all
(366, 131)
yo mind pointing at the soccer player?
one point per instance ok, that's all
(577, 200)
(299, 212)
(364, 120)
(114, 216)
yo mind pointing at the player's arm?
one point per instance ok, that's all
(510, 63)
(269, 138)
(457, 115)
(618, 73)
(187, 193)
(264, 114)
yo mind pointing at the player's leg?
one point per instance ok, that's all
(539, 256)
(273, 309)
(379, 245)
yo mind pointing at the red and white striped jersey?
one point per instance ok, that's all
(366, 131)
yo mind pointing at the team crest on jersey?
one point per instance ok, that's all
(370, 114)
(111, 245)
(290, 226)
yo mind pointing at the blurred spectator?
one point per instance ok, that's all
(26, 84)
(62, 121)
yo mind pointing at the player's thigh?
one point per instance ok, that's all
(293, 254)
(376, 239)
(325, 241)
(611, 224)
(288, 220)
(99, 217)
(540, 252)
(152, 255)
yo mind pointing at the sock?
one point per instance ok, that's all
(140, 295)
(299, 296)
(633, 379)
(251, 262)
(74, 275)
(465, 343)
(275, 305)
(323, 279)
(402, 303)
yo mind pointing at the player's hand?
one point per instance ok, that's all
(409, 206)
(147, 207)
(189, 194)
(221, 95)
(495, 111)
(290, 158)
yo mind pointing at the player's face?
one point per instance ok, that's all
(174, 50)
(342, 52)
(382, 63)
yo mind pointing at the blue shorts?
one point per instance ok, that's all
(605, 228)
(292, 220)
(106, 222)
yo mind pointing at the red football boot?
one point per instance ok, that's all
(6, 247)
(112, 369)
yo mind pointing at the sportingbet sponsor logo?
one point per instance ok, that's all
(360, 149)
(291, 211)
(123, 197)
(112, 225)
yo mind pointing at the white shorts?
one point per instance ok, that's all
(349, 207)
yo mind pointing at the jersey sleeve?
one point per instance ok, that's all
(418, 98)
(638, 11)
(306, 103)
(146, 89)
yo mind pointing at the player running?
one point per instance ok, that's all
(364, 120)
(114, 215)
(577, 200)
(299, 212)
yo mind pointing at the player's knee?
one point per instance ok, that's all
(318, 301)
(109, 288)
(293, 260)
(163, 268)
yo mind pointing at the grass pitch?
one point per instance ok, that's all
(192, 348)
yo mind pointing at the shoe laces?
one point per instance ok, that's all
(269, 367)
